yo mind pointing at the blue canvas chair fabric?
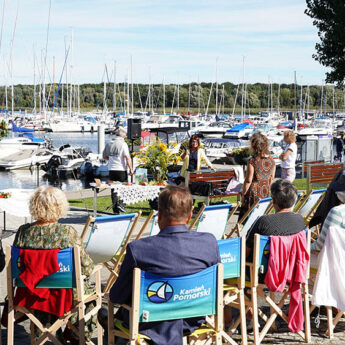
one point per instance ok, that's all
(258, 267)
(69, 276)
(159, 298)
(108, 237)
(232, 254)
(214, 219)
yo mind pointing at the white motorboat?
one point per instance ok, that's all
(241, 130)
(26, 158)
(66, 162)
(9, 146)
(216, 148)
(318, 127)
(215, 129)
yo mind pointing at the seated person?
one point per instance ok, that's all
(284, 221)
(335, 217)
(47, 206)
(175, 251)
(330, 200)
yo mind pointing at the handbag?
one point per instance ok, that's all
(202, 188)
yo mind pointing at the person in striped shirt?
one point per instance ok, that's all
(336, 218)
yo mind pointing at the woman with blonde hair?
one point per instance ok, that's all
(288, 157)
(47, 206)
(260, 173)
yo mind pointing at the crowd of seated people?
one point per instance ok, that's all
(174, 251)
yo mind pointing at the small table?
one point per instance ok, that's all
(129, 194)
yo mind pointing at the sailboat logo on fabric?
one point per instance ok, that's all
(159, 292)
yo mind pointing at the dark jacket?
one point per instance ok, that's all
(174, 251)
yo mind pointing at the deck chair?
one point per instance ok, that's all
(260, 265)
(157, 298)
(311, 201)
(108, 240)
(260, 208)
(233, 256)
(154, 226)
(214, 219)
(69, 276)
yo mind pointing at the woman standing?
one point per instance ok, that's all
(288, 157)
(193, 156)
(260, 173)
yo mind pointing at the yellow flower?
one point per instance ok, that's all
(163, 147)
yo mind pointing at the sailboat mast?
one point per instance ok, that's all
(114, 94)
(242, 103)
(163, 96)
(34, 110)
(278, 99)
(71, 73)
(216, 86)
(132, 93)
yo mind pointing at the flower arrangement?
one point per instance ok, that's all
(4, 195)
(3, 129)
(156, 159)
(242, 152)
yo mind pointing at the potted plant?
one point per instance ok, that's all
(240, 156)
(156, 158)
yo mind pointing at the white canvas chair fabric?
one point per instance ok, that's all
(154, 226)
(329, 284)
(214, 219)
(107, 236)
(311, 201)
(258, 211)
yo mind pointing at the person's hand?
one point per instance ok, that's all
(214, 169)
(131, 172)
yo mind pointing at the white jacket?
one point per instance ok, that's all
(330, 279)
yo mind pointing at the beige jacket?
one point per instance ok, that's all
(201, 157)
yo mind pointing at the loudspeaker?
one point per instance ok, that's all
(134, 129)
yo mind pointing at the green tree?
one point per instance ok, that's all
(329, 17)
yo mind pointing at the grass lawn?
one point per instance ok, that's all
(104, 203)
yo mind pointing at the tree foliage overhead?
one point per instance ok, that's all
(329, 17)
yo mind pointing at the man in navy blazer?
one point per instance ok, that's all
(175, 251)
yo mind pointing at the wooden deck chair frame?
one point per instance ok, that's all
(234, 294)
(113, 266)
(48, 333)
(216, 323)
(199, 216)
(257, 289)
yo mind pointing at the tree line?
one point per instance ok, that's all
(186, 97)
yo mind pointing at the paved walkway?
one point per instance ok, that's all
(77, 218)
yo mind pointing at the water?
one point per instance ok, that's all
(27, 179)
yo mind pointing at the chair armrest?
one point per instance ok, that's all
(126, 307)
(96, 269)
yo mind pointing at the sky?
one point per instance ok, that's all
(177, 41)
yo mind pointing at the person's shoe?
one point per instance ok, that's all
(102, 317)
(121, 207)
